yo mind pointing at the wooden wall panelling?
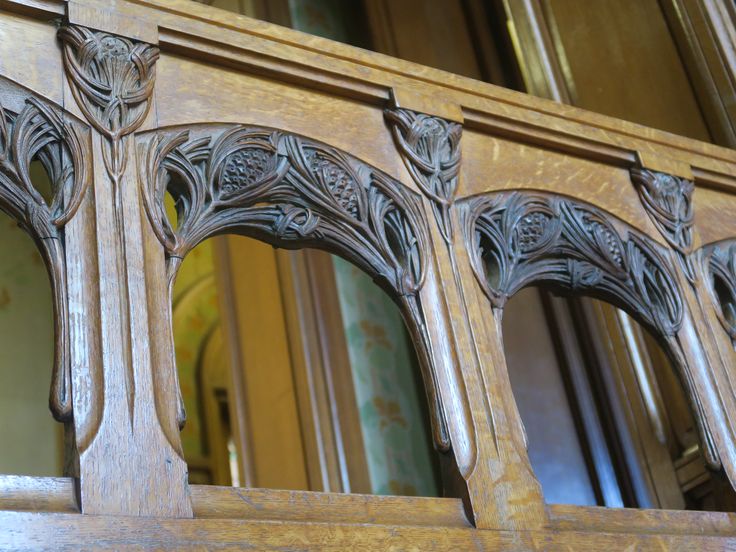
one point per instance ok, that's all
(324, 380)
(274, 447)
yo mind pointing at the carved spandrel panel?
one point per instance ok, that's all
(291, 192)
(31, 130)
(518, 239)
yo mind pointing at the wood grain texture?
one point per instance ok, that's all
(63, 531)
(270, 133)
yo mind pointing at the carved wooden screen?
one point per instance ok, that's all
(451, 194)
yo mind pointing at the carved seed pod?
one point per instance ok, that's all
(112, 78)
(430, 147)
(517, 239)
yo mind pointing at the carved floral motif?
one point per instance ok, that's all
(668, 202)
(291, 192)
(38, 133)
(517, 239)
(720, 261)
(430, 147)
(112, 78)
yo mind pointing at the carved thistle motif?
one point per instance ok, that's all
(37, 133)
(430, 147)
(112, 81)
(668, 202)
(720, 261)
(517, 239)
(291, 192)
(112, 78)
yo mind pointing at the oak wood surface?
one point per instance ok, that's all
(409, 206)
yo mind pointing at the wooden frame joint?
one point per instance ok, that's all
(420, 103)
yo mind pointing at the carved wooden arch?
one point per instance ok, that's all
(31, 130)
(521, 238)
(292, 192)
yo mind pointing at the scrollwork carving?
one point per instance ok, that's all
(720, 264)
(39, 133)
(291, 192)
(517, 239)
(430, 147)
(668, 202)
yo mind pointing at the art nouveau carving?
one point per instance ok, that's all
(38, 133)
(291, 192)
(430, 147)
(668, 202)
(112, 80)
(720, 265)
(518, 238)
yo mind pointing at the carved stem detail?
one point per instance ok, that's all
(291, 192)
(720, 265)
(38, 133)
(430, 147)
(112, 80)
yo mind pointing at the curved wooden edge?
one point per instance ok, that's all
(239, 507)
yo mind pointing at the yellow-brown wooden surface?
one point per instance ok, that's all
(216, 68)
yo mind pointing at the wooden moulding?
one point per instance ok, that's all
(56, 495)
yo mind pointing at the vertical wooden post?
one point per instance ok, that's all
(125, 390)
(483, 424)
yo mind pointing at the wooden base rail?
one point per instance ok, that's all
(54, 497)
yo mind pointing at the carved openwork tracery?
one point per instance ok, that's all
(430, 147)
(517, 239)
(38, 133)
(292, 192)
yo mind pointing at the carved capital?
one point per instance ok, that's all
(517, 239)
(39, 133)
(430, 147)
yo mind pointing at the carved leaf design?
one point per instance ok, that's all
(291, 192)
(112, 78)
(517, 239)
(39, 133)
(720, 262)
(668, 202)
(430, 147)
